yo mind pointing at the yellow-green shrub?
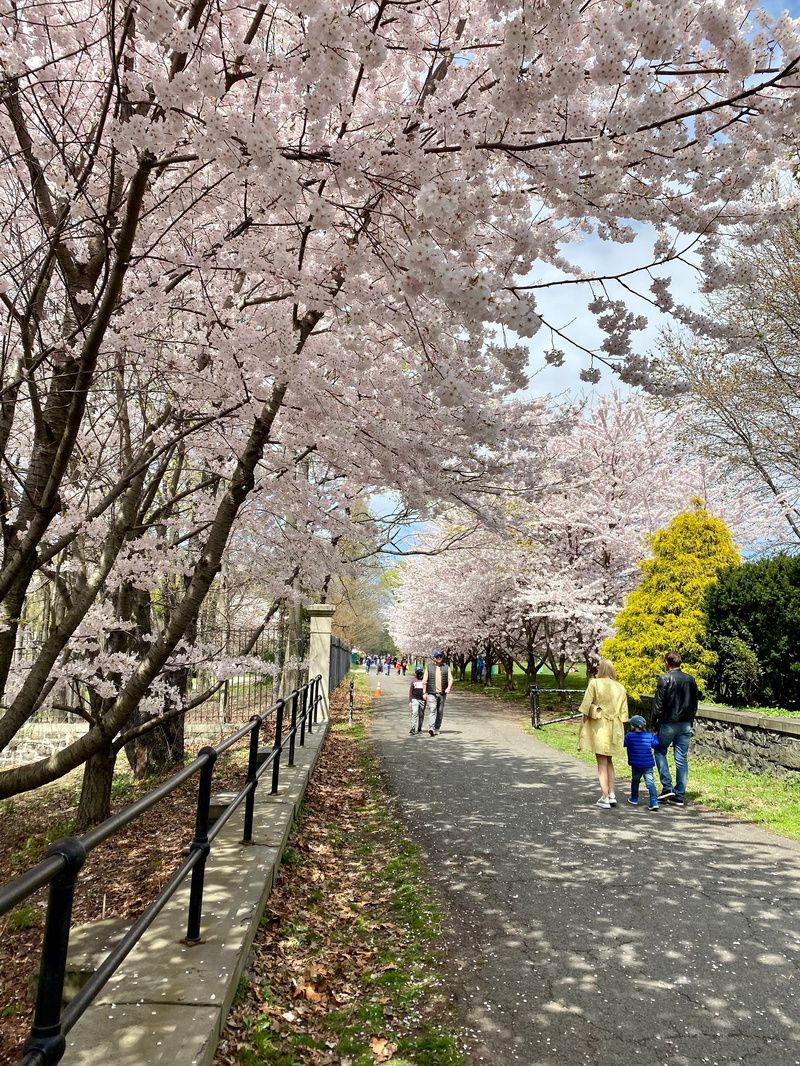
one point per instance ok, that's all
(665, 612)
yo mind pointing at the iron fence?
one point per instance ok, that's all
(340, 662)
(223, 675)
(61, 867)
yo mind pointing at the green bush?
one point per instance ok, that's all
(736, 678)
(666, 610)
(758, 604)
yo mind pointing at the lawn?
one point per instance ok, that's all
(764, 799)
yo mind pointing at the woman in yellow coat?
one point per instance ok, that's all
(604, 709)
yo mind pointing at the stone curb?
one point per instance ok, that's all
(769, 723)
(168, 1002)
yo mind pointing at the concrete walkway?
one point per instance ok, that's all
(587, 936)
(168, 1002)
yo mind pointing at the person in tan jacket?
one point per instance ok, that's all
(604, 708)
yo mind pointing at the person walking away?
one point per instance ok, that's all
(368, 663)
(416, 701)
(404, 665)
(674, 710)
(388, 665)
(438, 680)
(639, 744)
(604, 708)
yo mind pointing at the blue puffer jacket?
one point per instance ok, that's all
(640, 749)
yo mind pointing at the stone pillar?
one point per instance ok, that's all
(319, 652)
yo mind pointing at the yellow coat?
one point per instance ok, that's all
(604, 735)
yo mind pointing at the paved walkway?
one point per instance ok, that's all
(588, 936)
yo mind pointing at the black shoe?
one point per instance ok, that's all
(432, 732)
(412, 732)
(678, 801)
(665, 795)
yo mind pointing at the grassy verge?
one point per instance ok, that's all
(346, 968)
(764, 799)
(498, 689)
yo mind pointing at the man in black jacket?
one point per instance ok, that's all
(674, 708)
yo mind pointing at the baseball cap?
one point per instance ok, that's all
(637, 720)
(438, 654)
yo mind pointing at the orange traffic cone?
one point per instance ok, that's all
(377, 691)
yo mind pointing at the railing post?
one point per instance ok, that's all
(304, 714)
(293, 726)
(46, 1037)
(200, 843)
(252, 780)
(350, 703)
(278, 744)
(317, 697)
(536, 720)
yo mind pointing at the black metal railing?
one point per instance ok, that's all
(551, 705)
(558, 705)
(61, 867)
(340, 661)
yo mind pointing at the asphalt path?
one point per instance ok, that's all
(578, 935)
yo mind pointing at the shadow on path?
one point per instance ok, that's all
(588, 936)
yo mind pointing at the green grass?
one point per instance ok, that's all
(764, 799)
(23, 917)
(519, 693)
(773, 712)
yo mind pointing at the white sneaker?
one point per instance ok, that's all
(604, 802)
(612, 799)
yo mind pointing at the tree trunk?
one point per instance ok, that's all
(159, 750)
(95, 801)
(488, 666)
(508, 666)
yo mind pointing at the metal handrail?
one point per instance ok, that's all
(61, 868)
(535, 701)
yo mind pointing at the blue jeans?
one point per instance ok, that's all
(636, 776)
(678, 734)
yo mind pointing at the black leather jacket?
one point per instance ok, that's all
(675, 699)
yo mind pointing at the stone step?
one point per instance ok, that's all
(88, 946)
(219, 801)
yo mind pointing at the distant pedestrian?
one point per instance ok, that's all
(674, 710)
(604, 708)
(479, 665)
(639, 744)
(438, 680)
(388, 665)
(368, 663)
(404, 665)
(416, 701)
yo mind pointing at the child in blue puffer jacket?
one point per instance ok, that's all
(640, 744)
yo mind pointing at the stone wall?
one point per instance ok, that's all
(753, 741)
(38, 740)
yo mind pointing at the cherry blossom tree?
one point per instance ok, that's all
(543, 585)
(259, 260)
